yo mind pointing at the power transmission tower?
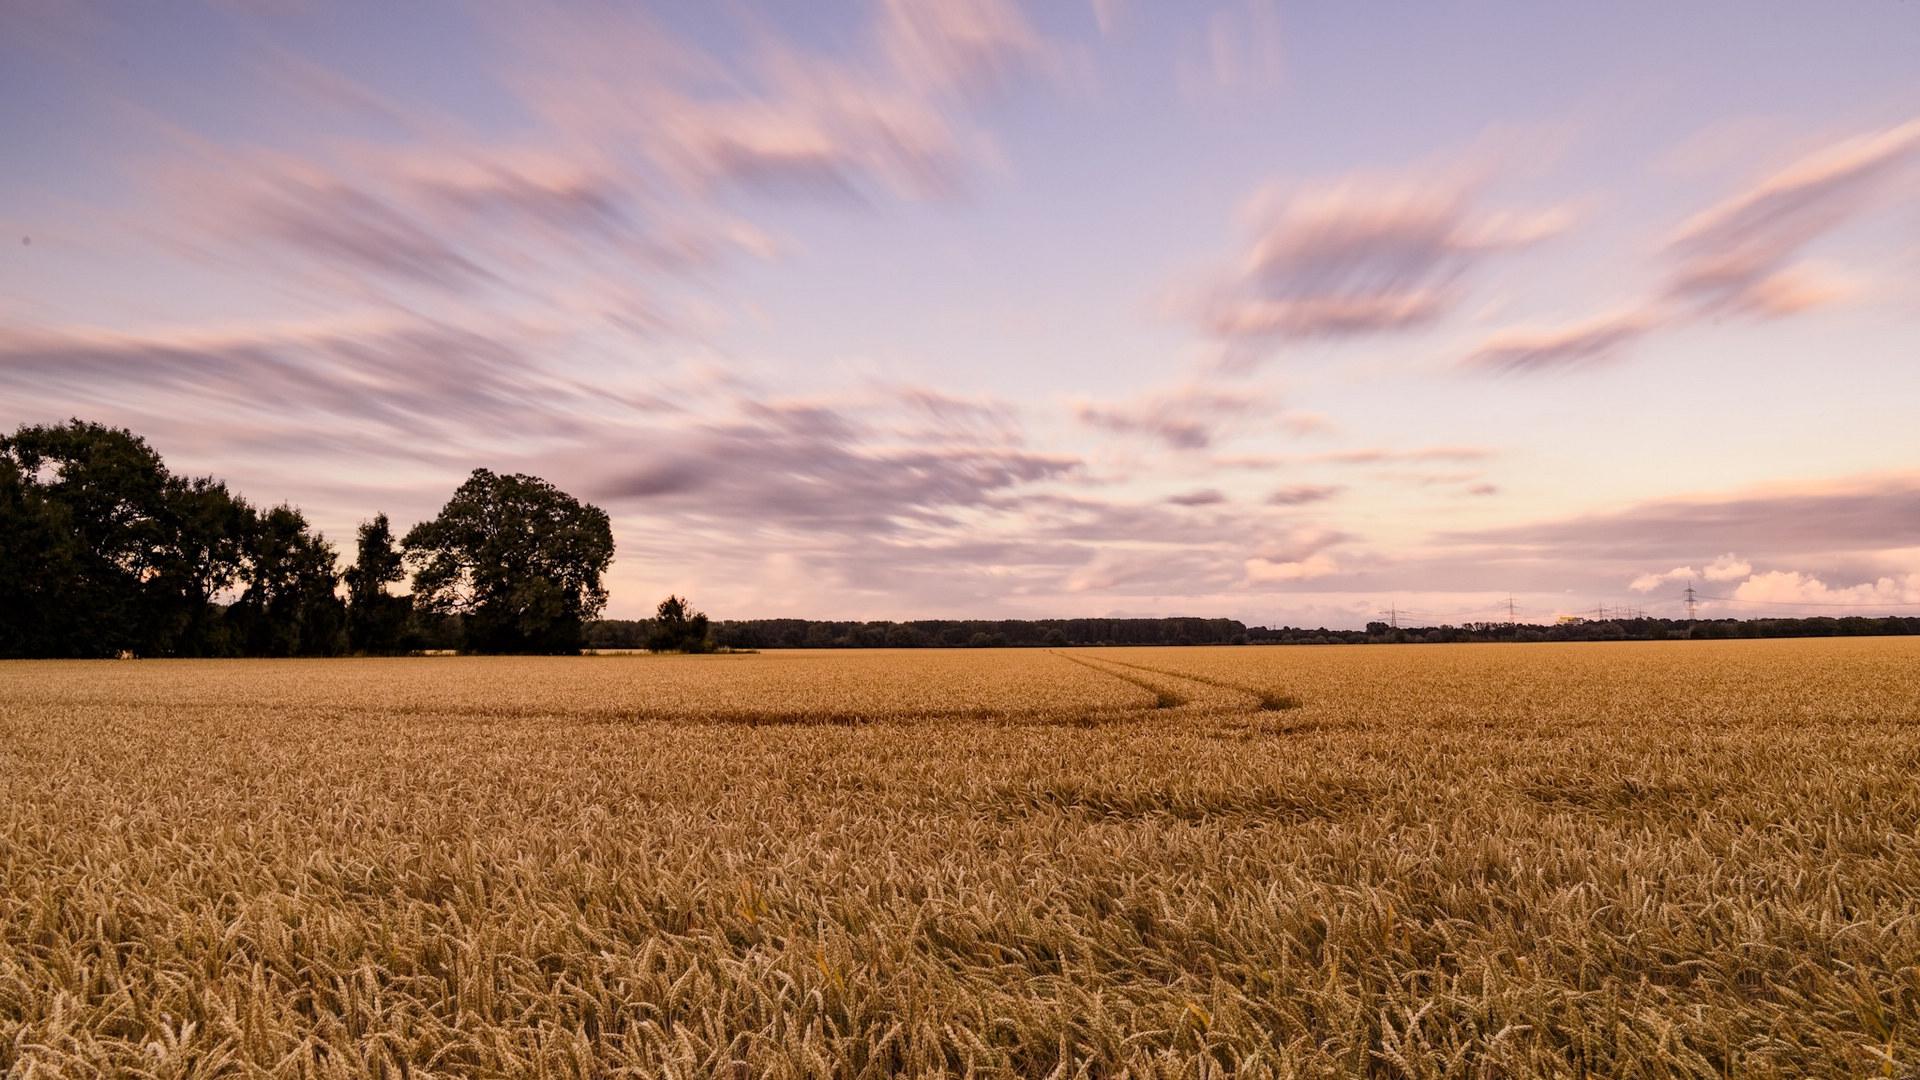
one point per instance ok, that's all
(1510, 619)
(1393, 616)
(1689, 601)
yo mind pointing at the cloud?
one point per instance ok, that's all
(1791, 588)
(1187, 418)
(1529, 350)
(1738, 255)
(1302, 494)
(813, 467)
(1728, 567)
(824, 133)
(1199, 497)
(633, 178)
(1300, 555)
(1358, 456)
(344, 226)
(971, 47)
(1306, 423)
(1650, 582)
(1149, 572)
(1385, 455)
(885, 117)
(1241, 49)
(409, 378)
(1268, 571)
(1353, 259)
(1741, 256)
(1847, 515)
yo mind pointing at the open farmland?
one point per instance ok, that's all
(1642, 859)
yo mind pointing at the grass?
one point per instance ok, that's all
(1642, 859)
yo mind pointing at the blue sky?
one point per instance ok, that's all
(895, 309)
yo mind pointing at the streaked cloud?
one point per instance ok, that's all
(1739, 254)
(1848, 515)
(1527, 350)
(1303, 494)
(1188, 417)
(1359, 258)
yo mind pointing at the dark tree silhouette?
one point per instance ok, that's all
(203, 548)
(288, 606)
(116, 554)
(39, 562)
(518, 559)
(678, 628)
(108, 486)
(376, 620)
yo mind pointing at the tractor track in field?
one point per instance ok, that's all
(1163, 698)
(1166, 697)
(1268, 699)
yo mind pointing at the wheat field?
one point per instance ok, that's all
(1637, 859)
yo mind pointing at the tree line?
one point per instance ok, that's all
(933, 633)
(1050, 633)
(104, 551)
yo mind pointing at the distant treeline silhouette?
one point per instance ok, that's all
(989, 633)
(105, 552)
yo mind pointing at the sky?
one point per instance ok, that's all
(1288, 313)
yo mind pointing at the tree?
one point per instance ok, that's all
(105, 490)
(200, 553)
(678, 628)
(288, 607)
(39, 562)
(376, 620)
(520, 560)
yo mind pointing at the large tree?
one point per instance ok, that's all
(288, 606)
(39, 562)
(108, 486)
(114, 553)
(200, 554)
(376, 620)
(518, 559)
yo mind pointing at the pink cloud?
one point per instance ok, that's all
(1357, 259)
(1303, 494)
(1267, 571)
(1534, 349)
(1728, 567)
(1793, 588)
(1742, 255)
(1188, 417)
(966, 46)
(1736, 255)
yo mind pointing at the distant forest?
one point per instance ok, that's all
(106, 552)
(995, 633)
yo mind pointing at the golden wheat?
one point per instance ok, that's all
(1682, 859)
